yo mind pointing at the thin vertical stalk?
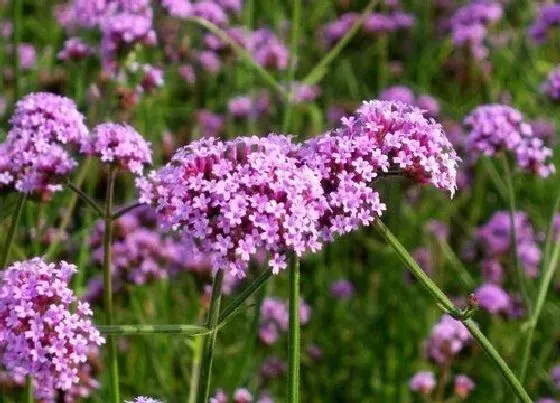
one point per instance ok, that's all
(28, 391)
(294, 334)
(107, 284)
(12, 231)
(513, 232)
(195, 369)
(445, 303)
(296, 17)
(17, 20)
(210, 340)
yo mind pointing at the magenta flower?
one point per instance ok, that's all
(494, 128)
(120, 145)
(493, 298)
(40, 334)
(423, 382)
(74, 50)
(551, 86)
(448, 338)
(36, 156)
(235, 198)
(274, 318)
(463, 386)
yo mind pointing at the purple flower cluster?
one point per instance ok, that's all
(493, 298)
(548, 18)
(36, 154)
(494, 128)
(74, 50)
(375, 23)
(265, 47)
(152, 78)
(120, 145)
(342, 289)
(494, 238)
(551, 86)
(272, 367)
(423, 382)
(301, 92)
(211, 124)
(382, 137)
(234, 198)
(463, 386)
(274, 318)
(240, 395)
(40, 335)
(247, 106)
(448, 338)
(215, 11)
(404, 94)
(555, 376)
(27, 56)
(469, 25)
(143, 399)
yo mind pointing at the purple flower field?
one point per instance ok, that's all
(279, 201)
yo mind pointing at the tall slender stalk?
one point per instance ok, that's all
(210, 340)
(12, 231)
(296, 17)
(195, 369)
(107, 284)
(513, 233)
(549, 269)
(294, 334)
(448, 306)
(28, 390)
(17, 20)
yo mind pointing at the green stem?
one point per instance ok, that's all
(17, 19)
(521, 276)
(28, 389)
(235, 305)
(107, 284)
(86, 198)
(119, 213)
(12, 230)
(241, 52)
(296, 17)
(129, 330)
(448, 306)
(550, 268)
(294, 334)
(315, 75)
(210, 340)
(195, 369)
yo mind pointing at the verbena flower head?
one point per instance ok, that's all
(143, 399)
(378, 23)
(494, 128)
(494, 238)
(40, 334)
(423, 382)
(119, 144)
(332, 32)
(74, 50)
(551, 86)
(555, 376)
(548, 18)
(448, 338)
(493, 298)
(274, 318)
(382, 137)
(463, 386)
(237, 197)
(36, 154)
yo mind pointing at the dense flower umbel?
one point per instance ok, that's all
(234, 198)
(551, 86)
(275, 317)
(119, 144)
(39, 334)
(449, 337)
(494, 128)
(36, 153)
(494, 239)
(383, 137)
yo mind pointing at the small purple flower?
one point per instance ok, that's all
(211, 124)
(463, 386)
(74, 50)
(273, 367)
(152, 78)
(274, 318)
(555, 376)
(143, 399)
(120, 145)
(342, 289)
(493, 298)
(548, 18)
(423, 382)
(551, 86)
(448, 338)
(398, 93)
(27, 56)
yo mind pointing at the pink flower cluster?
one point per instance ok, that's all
(404, 94)
(36, 154)
(551, 86)
(249, 106)
(40, 335)
(275, 316)
(234, 198)
(383, 137)
(548, 18)
(215, 11)
(494, 128)
(120, 145)
(74, 50)
(448, 338)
